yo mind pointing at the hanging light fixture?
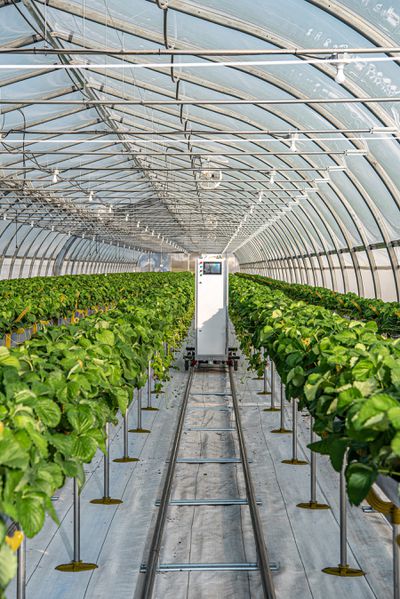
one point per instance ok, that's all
(138, 224)
(31, 223)
(126, 217)
(152, 233)
(110, 209)
(91, 196)
(272, 177)
(340, 76)
(56, 172)
(293, 139)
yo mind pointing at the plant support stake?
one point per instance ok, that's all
(106, 499)
(126, 457)
(282, 429)
(76, 565)
(343, 568)
(149, 407)
(313, 503)
(139, 428)
(294, 461)
(265, 379)
(21, 570)
(272, 407)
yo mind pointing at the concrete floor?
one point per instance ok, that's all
(302, 541)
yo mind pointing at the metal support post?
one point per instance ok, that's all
(282, 429)
(106, 499)
(76, 565)
(126, 458)
(256, 378)
(396, 553)
(343, 568)
(21, 570)
(149, 407)
(272, 407)
(265, 379)
(139, 428)
(313, 503)
(294, 461)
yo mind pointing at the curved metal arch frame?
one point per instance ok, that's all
(370, 205)
(373, 275)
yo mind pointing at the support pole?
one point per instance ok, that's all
(265, 379)
(272, 407)
(106, 499)
(256, 378)
(76, 565)
(126, 458)
(396, 552)
(343, 568)
(282, 430)
(294, 461)
(139, 428)
(21, 570)
(149, 407)
(313, 503)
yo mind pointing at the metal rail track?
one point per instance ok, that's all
(152, 566)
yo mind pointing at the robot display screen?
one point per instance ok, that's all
(212, 268)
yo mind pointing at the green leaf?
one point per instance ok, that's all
(84, 447)
(62, 442)
(106, 336)
(31, 515)
(81, 418)
(48, 412)
(6, 359)
(395, 444)
(8, 565)
(359, 477)
(394, 417)
(11, 452)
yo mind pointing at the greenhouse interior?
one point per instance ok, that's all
(199, 299)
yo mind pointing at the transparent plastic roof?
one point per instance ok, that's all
(256, 127)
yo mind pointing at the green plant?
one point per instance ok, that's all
(342, 371)
(59, 389)
(385, 314)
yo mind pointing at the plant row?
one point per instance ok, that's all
(24, 302)
(58, 390)
(385, 314)
(342, 371)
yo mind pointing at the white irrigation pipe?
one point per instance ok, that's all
(234, 63)
(393, 137)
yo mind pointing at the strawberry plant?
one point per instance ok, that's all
(385, 314)
(342, 371)
(59, 389)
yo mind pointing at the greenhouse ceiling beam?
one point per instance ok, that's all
(41, 21)
(307, 52)
(204, 132)
(183, 155)
(201, 102)
(19, 42)
(392, 189)
(18, 104)
(261, 33)
(179, 169)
